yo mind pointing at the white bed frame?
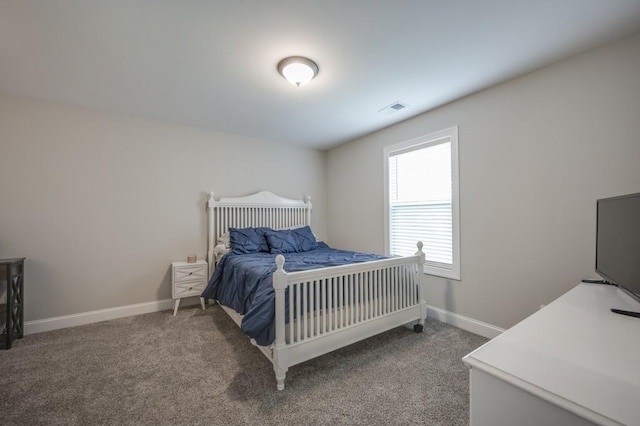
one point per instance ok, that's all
(372, 297)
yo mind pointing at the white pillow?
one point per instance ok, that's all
(219, 251)
(224, 240)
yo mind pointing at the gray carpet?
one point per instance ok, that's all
(198, 368)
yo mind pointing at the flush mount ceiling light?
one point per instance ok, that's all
(298, 70)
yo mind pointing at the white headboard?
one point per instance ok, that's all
(259, 209)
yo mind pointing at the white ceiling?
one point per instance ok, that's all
(212, 63)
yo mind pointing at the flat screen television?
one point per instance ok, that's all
(618, 242)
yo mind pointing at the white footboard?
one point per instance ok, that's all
(321, 310)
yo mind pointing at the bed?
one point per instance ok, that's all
(310, 304)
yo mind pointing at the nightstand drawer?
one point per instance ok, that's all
(189, 288)
(190, 273)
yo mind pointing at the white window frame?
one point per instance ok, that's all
(450, 134)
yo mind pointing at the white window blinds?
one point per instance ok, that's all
(426, 222)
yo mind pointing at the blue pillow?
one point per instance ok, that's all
(291, 240)
(248, 240)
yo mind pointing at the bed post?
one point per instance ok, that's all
(211, 237)
(307, 201)
(421, 290)
(280, 351)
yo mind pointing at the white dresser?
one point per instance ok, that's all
(188, 279)
(574, 362)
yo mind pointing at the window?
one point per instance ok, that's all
(421, 194)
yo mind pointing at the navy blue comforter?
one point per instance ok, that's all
(244, 283)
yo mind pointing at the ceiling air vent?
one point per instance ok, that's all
(393, 108)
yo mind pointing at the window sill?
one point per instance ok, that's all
(442, 273)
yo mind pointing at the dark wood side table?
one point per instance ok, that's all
(12, 311)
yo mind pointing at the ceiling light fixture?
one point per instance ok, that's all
(298, 70)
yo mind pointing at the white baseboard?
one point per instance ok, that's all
(48, 324)
(469, 324)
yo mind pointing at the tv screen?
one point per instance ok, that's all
(618, 242)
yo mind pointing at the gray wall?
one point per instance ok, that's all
(101, 204)
(535, 154)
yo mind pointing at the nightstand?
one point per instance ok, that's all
(188, 279)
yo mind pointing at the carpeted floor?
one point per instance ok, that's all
(198, 368)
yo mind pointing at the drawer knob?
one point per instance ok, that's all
(190, 288)
(190, 273)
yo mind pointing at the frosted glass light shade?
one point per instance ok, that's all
(298, 70)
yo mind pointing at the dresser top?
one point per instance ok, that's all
(575, 353)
